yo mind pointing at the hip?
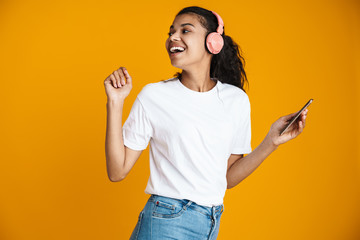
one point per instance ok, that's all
(169, 218)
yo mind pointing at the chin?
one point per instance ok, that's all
(180, 63)
(177, 65)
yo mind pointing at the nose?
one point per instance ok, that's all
(173, 37)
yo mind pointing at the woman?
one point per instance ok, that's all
(198, 124)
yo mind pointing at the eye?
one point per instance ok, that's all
(183, 32)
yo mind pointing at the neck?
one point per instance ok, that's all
(197, 81)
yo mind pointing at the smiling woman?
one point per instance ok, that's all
(199, 128)
(202, 23)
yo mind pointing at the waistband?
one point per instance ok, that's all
(211, 211)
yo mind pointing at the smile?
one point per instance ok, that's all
(176, 50)
(175, 54)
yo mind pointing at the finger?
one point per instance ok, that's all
(292, 115)
(128, 77)
(301, 117)
(304, 114)
(113, 80)
(304, 121)
(297, 128)
(288, 117)
(301, 126)
(107, 80)
(122, 76)
(117, 78)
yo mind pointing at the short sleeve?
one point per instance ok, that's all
(242, 137)
(137, 129)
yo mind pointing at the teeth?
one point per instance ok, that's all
(173, 49)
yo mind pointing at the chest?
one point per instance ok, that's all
(203, 123)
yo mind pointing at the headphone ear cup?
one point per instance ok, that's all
(214, 42)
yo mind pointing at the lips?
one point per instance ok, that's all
(176, 48)
(172, 54)
(175, 53)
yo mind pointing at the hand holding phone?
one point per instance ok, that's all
(296, 116)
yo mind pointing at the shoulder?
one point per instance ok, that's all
(155, 88)
(235, 94)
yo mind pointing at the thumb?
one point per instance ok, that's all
(128, 77)
(290, 116)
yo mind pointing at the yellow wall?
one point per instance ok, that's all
(55, 55)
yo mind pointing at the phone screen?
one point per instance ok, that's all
(296, 116)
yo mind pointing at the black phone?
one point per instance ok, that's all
(296, 116)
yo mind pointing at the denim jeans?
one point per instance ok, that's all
(170, 218)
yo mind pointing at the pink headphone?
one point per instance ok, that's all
(214, 41)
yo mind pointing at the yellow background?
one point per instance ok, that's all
(55, 55)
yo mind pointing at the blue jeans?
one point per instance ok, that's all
(170, 218)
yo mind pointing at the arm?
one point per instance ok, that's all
(119, 158)
(244, 166)
(241, 167)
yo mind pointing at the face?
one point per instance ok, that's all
(187, 32)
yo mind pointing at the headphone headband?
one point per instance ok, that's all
(220, 28)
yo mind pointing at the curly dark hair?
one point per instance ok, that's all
(228, 65)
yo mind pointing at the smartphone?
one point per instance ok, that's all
(296, 116)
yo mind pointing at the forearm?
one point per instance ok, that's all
(243, 167)
(114, 143)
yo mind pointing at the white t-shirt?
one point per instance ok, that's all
(192, 135)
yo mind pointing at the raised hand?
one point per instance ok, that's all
(118, 84)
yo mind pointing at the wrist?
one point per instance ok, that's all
(270, 143)
(115, 102)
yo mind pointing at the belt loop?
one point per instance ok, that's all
(188, 204)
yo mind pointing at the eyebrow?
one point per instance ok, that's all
(184, 24)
